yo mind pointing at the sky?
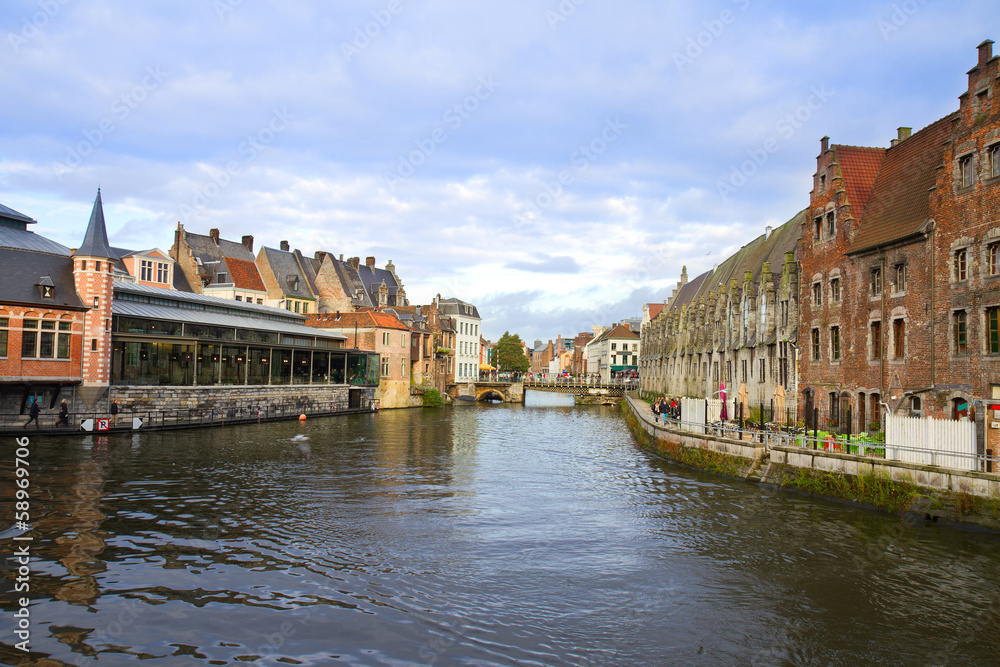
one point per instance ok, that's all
(554, 162)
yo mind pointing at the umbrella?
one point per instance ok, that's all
(722, 395)
(779, 405)
(743, 397)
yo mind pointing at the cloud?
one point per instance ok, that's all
(546, 264)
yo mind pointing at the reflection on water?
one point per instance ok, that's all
(473, 535)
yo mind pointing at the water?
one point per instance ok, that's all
(472, 535)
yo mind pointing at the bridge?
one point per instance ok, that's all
(513, 392)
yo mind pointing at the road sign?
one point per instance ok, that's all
(136, 423)
(87, 424)
(104, 424)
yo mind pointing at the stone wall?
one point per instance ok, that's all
(135, 398)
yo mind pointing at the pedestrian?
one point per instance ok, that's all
(63, 414)
(33, 411)
(655, 407)
(114, 413)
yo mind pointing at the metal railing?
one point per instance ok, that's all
(153, 420)
(775, 435)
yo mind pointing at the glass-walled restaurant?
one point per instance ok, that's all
(166, 352)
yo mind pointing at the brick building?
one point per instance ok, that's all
(900, 265)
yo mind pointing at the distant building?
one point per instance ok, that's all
(466, 322)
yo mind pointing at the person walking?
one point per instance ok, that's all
(33, 411)
(655, 407)
(114, 413)
(63, 414)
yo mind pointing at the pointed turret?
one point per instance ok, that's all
(95, 241)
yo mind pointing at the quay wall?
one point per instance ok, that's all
(918, 492)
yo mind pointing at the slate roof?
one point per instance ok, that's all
(859, 166)
(899, 205)
(284, 266)
(95, 241)
(453, 306)
(204, 248)
(351, 282)
(11, 214)
(21, 270)
(22, 239)
(372, 277)
(243, 274)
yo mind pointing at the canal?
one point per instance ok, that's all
(470, 535)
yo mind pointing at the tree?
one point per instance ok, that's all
(510, 354)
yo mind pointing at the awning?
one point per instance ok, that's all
(624, 368)
(486, 367)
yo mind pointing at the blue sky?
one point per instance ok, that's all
(555, 162)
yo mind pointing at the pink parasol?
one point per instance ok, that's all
(722, 395)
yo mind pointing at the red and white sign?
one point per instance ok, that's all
(104, 424)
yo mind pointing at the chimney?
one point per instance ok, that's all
(319, 255)
(985, 51)
(341, 257)
(824, 145)
(370, 262)
(248, 242)
(214, 235)
(354, 262)
(284, 246)
(901, 134)
(767, 232)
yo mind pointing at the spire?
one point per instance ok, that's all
(95, 242)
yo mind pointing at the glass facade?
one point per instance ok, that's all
(239, 357)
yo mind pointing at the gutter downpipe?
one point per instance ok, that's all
(933, 308)
(884, 333)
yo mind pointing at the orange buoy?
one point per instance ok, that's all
(302, 417)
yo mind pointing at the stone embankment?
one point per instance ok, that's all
(916, 492)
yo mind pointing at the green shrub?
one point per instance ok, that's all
(432, 398)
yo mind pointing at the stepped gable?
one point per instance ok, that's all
(899, 205)
(859, 167)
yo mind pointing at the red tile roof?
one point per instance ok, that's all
(899, 205)
(859, 166)
(244, 274)
(366, 319)
(654, 309)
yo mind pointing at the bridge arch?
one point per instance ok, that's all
(490, 394)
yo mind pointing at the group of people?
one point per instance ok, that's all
(669, 408)
(34, 410)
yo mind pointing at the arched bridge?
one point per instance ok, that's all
(513, 392)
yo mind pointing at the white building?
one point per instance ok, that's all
(615, 350)
(467, 321)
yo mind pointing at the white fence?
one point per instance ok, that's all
(693, 413)
(937, 442)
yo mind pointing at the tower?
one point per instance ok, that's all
(93, 271)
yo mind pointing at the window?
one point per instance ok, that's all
(835, 290)
(815, 344)
(875, 286)
(385, 337)
(385, 366)
(93, 344)
(993, 258)
(993, 329)
(83, 265)
(961, 265)
(915, 405)
(959, 324)
(298, 307)
(835, 343)
(97, 266)
(4, 323)
(817, 294)
(221, 278)
(876, 340)
(260, 302)
(744, 368)
(29, 338)
(822, 182)
(831, 224)
(818, 228)
(900, 277)
(899, 338)
(614, 346)
(763, 370)
(305, 307)
(965, 171)
(994, 152)
(62, 343)
(162, 273)
(39, 339)
(784, 313)
(239, 298)
(146, 270)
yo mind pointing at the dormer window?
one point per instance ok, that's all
(221, 278)
(293, 282)
(46, 288)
